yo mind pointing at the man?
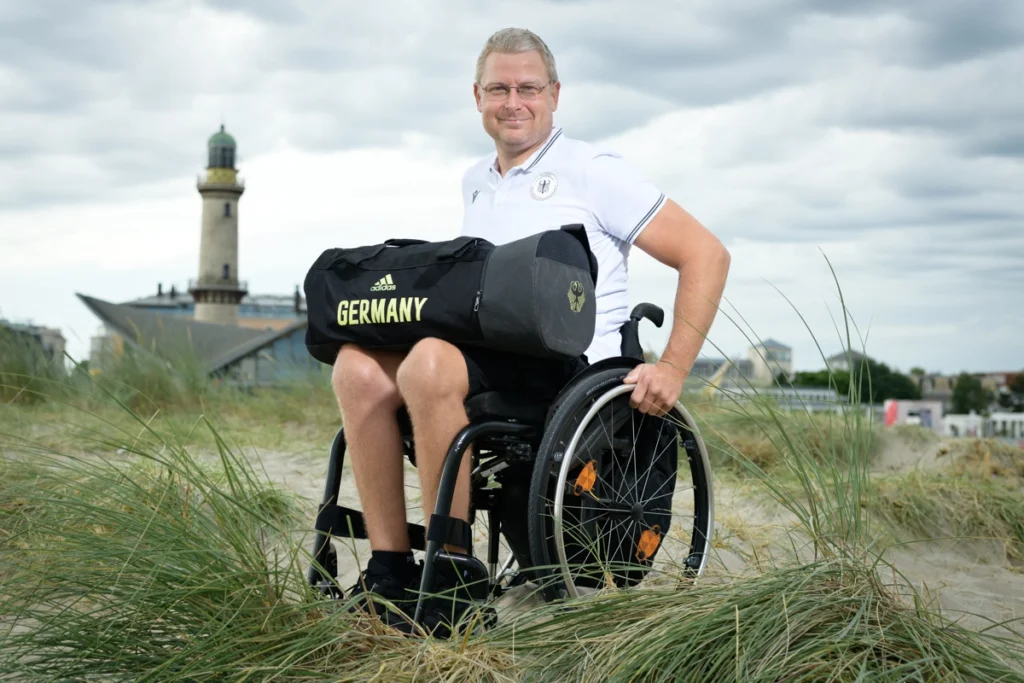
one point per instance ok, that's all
(537, 179)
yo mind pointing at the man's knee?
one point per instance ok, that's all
(360, 380)
(433, 369)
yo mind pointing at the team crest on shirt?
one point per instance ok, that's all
(543, 186)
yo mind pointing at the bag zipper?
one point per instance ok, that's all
(480, 294)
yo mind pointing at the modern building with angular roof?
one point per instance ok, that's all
(236, 354)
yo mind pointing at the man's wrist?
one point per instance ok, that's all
(675, 365)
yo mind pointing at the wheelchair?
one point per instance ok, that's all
(584, 490)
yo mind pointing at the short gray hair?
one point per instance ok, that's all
(515, 41)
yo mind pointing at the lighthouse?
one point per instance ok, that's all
(217, 291)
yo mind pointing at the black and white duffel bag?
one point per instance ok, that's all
(533, 296)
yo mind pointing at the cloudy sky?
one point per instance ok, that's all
(883, 140)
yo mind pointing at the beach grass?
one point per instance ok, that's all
(154, 565)
(148, 547)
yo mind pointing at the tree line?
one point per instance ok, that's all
(876, 382)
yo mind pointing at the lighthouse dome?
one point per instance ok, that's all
(221, 149)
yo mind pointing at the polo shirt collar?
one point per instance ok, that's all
(533, 159)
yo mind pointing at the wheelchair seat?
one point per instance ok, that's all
(503, 405)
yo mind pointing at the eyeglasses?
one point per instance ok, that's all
(500, 91)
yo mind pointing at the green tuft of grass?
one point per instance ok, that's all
(25, 369)
(952, 505)
(739, 437)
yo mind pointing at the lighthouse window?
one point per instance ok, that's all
(227, 209)
(227, 271)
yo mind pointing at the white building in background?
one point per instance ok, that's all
(1007, 427)
(928, 414)
(768, 360)
(963, 425)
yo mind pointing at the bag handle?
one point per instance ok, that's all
(452, 249)
(356, 256)
(456, 246)
(403, 242)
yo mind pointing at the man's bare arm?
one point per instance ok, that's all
(678, 240)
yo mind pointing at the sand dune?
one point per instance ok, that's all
(968, 579)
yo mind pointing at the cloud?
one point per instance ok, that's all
(887, 137)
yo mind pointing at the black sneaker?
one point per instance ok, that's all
(401, 591)
(452, 606)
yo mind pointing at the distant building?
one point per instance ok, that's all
(234, 334)
(768, 360)
(936, 387)
(704, 370)
(1007, 427)
(803, 399)
(235, 354)
(927, 414)
(49, 341)
(258, 311)
(764, 363)
(971, 425)
(996, 382)
(842, 361)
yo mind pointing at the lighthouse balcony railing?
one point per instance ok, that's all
(218, 283)
(202, 181)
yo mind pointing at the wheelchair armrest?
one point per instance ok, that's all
(630, 331)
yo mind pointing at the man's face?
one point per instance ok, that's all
(515, 122)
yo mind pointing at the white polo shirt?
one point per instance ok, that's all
(569, 181)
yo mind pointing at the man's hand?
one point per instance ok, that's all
(657, 389)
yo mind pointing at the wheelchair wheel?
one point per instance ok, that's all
(611, 500)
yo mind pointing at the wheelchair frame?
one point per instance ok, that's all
(508, 438)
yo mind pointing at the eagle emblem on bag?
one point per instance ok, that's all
(576, 296)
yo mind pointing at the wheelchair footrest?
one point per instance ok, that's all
(471, 570)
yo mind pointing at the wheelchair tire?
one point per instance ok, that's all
(588, 429)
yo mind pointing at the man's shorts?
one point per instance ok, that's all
(542, 378)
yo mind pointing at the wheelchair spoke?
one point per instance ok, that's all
(657, 494)
(632, 453)
(657, 456)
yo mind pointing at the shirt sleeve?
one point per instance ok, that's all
(465, 188)
(622, 200)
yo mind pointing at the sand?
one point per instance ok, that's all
(965, 580)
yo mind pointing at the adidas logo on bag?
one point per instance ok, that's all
(385, 284)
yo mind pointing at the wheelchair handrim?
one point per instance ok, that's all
(567, 460)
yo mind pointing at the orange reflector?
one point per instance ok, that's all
(586, 480)
(650, 539)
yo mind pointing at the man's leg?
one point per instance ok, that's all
(364, 383)
(434, 382)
